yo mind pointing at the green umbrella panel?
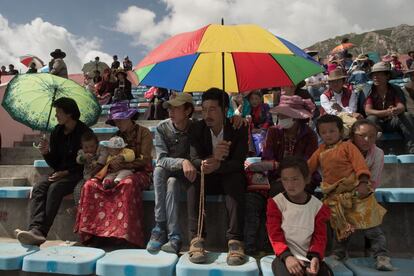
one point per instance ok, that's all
(29, 98)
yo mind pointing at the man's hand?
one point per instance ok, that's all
(57, 175)
(337, 107)
(189, 170)
(294, 266)
(210, 165)
(43, 146)
(357, 116)
(238, 121)
(222, 150)
(314, 267)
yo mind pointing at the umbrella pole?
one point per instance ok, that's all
(223, 79)
(51, 106)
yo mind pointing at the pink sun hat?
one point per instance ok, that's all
(294, 107)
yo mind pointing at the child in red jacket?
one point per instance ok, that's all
(296, 224)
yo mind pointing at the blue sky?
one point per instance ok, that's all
(86, 18)
(86, 28)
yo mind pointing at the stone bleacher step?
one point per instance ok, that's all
(19, 155)
(13, 181)
(8, 171)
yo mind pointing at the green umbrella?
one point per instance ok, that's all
(29, 99)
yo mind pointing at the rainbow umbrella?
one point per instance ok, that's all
(235, 58)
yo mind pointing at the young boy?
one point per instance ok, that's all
(364, 135)
(296, 224)
(116, 150)
(92, 158)
(345, 183)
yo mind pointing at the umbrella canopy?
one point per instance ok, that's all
(28, 59)
(92, 66)
(29, 98)
(253, 58)
(342, 47)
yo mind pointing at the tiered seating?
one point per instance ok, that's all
(136, 262)
(71, 260)
(12, 254)
(216, 265)
(366, 267)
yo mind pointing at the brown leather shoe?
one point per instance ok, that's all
(32, 237)
(236, 254)
(197, 253)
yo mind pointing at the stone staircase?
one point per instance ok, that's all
(17, 169)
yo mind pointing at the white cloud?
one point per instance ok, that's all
(303, 22)
(40, 38)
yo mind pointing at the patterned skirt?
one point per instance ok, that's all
(113, 213)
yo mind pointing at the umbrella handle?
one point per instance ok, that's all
(42, 139)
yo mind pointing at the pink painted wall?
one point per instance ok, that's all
(10, 130)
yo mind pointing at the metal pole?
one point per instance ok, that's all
(51, 106)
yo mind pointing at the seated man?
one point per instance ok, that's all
(386, 105)
(218, 150)
(173, 169)
(338, 98)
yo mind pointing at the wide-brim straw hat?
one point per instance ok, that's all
(58, 53)
(362, 57)
(380, 67)
(336, 74)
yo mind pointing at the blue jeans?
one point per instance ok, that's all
(167, 187)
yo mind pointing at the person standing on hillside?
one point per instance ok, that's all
(57, 66)
(127, 64)
(115, 64)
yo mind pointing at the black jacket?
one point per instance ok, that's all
(201, 146)
(64, 148)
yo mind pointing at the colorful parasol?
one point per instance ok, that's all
(246, 57)
(342, 47)
(28, 59)
(29, 99)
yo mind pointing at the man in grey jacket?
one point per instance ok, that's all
(172, 170)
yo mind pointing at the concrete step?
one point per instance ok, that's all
(28, 172)
(19, 155)
(13, 181)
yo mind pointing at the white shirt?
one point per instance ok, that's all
(298, 223)
(327, 104)
(215, 139)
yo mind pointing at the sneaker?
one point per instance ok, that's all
(158, 238)
(31, 237)
(197, 253)
(236, 254)
(173, 245)
(383, 263)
